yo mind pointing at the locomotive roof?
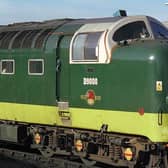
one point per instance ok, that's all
(35, 34)
(33, 25)
(54, 23)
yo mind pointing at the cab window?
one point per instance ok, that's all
(132, 30)
(159, 31)
(84, 47)
(36, 67)
(7, 67)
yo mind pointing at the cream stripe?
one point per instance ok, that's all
(117, 121)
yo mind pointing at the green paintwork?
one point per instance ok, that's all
(128, 82)
(31, 89)
(21, 87)
(125, 85)
(64, 74)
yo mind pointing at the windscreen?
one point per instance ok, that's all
(133, 30)
(158, 29)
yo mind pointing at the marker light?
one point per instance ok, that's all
(79, 145)
(128, 154)
(37, 138)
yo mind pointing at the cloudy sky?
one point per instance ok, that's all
(37, 10)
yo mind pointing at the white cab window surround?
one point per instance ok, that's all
(92, 37)
(124, 22)
(106, 44)
(133, 30)
(36, 66)
(85, 47)
(7, 67)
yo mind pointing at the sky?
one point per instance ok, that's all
(12, 11)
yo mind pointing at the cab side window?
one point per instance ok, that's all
(84, 47)
(36, 67)
(159, 30)
(131, 31)
(7, 67)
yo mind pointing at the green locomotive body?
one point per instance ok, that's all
(83, 80)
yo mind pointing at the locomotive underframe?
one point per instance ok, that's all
(89, 145)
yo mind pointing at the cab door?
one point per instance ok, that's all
(63, 79)
(62, 69)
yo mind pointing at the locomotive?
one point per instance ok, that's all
(96, 89)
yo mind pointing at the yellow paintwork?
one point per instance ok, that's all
(117, 121)
(123, 122)
(28, 113)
